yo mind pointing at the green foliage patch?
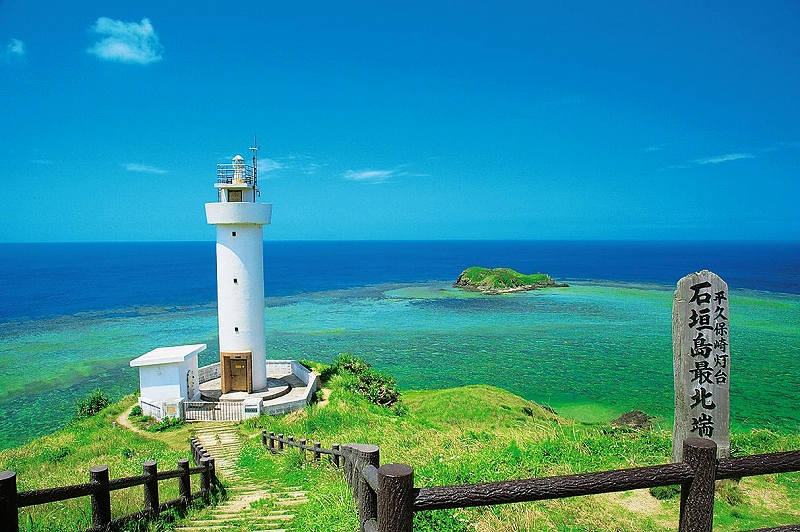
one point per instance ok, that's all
(91, 404)
(65, 457)
(481, 434)
(502, 278)
(361, 378)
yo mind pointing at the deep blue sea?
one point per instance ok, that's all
(41, 280)
(73, 315)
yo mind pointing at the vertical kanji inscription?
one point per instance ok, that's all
(701, 361)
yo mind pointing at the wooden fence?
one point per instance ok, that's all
(99, 488)
(387, 499)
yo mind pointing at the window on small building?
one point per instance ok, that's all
(235, 280)
(236, 329)
(233, 233)
(235, 195)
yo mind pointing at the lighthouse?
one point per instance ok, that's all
(239, 219)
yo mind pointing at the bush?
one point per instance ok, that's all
(92, 404)
(165, 424)
(136, 411)
(377, 387)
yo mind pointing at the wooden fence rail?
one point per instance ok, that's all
(387, 499)
(99, 488)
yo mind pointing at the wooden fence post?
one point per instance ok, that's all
(205, 479)
(101, 501)
(272, 442)
(212, 481)
(366, 499)
(395, 498)
(184, 484)
(348, 467)
(302, 449)
(697, 495)
(280, 441)
(264, 438)
(150, 470)
(9, 513)
(335, 455)
(317, 446)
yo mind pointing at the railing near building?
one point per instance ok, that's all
(212, 411)
(387, 499)
(235, 173)
(208, 373)
(99, 488)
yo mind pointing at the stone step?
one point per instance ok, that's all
(238, 519)
(294, 493)
(190, 528)
(292, 502)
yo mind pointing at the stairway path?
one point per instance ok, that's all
(249, 507)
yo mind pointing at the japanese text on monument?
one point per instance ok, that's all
(702, 360)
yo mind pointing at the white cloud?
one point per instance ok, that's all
(143, 168)
(379, 176)
(781, 146)
(724, 158)
(16, 47)
(14, 51)
(126, 42)
(266, 165)
(369, 176)
(657, 147)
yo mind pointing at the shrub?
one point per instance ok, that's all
(165, 424)
(92, 404)
(364, 380)
(136, 411)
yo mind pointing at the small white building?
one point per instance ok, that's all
(167, 377)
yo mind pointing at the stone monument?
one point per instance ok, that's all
(701, 360)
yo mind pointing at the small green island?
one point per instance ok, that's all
(502, 280)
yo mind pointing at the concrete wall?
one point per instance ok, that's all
(163, 381)
(160, 382)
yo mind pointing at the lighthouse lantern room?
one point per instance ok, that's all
(239, 219)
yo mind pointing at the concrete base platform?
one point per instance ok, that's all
(290, 386)
(212, 391)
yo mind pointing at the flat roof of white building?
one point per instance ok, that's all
(168, 355)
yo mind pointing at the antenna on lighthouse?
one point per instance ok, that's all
(254, 149)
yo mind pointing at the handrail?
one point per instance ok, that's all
(537, 489)
(100, 486)
(387, 499)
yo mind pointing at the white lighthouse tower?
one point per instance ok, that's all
(239, 219)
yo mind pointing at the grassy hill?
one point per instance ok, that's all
(461, 435)
(480, 433)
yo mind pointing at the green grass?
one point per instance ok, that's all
(452, 436)
(502, 278)
(64, 459)
(480, 434)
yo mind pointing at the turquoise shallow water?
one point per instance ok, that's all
(590, 351)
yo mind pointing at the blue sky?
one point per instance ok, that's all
(403, 120)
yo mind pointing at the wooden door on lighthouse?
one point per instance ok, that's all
(237, 372)
(239, 375)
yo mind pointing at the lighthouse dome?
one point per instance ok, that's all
(238, 159)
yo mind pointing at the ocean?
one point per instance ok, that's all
(73, 315)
